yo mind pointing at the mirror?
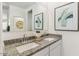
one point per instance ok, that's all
(13, 17)
(19, 16)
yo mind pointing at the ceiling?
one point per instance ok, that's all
(21, 4)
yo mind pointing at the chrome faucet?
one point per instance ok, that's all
(24, 36)
(24, 39)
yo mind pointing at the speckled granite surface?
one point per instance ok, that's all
(10, 50)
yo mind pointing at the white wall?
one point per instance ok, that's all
(70, 38)
(1, 43)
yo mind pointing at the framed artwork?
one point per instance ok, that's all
(66, 17)
(18, 23)
(38, 21)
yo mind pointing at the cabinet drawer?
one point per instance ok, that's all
(43, 52)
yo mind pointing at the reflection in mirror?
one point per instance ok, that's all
(5, 18)
(30, 20)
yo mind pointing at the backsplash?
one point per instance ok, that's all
(18, 40)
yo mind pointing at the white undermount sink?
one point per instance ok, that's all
(49, 39)
(26, 47)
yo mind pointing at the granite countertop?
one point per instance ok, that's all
(10, 50)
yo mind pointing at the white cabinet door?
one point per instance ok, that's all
(55, 49)
(43, 52)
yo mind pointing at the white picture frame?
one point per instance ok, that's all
(66, 17)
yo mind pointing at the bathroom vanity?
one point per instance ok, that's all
(55, 49)
(45, 45)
